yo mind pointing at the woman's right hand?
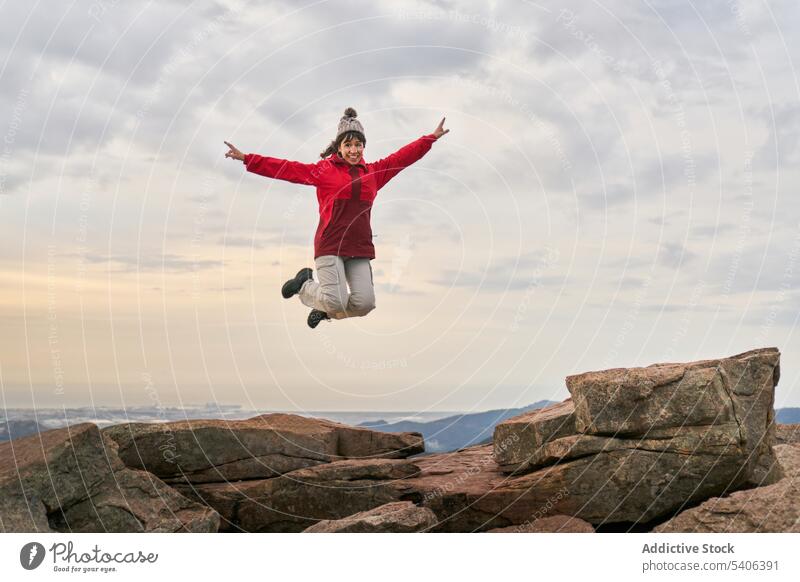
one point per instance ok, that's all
(233, 152)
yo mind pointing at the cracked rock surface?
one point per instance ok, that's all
(773, 508)
(72, 480)
(397, 517)
(297, 500)
(213, 451)
(635, 444)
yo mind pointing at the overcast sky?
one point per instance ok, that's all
(619, 187)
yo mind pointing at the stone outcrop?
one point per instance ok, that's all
(71, 480)
(689, 445)
(773, 508)
(398, 517)
(212, 451)
(276, 472)
(552, 524)
(635, 444)
(295, 501)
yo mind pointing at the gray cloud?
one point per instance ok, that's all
(660, 175)
(781, 311)
(152, 262)
(534, 269)
(712, 230)
(754, 268)
(613, 195)
(240, 241)
(781, 147)
(675, 255)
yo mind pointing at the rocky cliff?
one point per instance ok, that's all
(667, 447)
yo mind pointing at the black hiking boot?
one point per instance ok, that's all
(292, 286)
(315, 317)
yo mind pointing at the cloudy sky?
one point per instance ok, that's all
(619, 187)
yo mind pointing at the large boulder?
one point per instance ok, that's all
(210, 451)
(298, 499)
(397, 517)
(631, 445)
(72, 480)
(469, 492)
(774, 508)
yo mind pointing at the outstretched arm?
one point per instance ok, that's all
(295, 172)
(391, 165)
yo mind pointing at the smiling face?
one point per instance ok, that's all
(351, 150)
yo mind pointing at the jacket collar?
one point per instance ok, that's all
(337, 159)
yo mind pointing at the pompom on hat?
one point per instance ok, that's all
(349, 123)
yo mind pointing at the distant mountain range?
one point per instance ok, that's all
(787, 415)
(458, 431)
(16, 429)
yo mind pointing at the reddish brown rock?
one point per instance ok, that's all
(637, 401)
(295, 501)
(209, 451)
(552, 524)
(398, 517)
(635, 444)
(518, 439)
(72, 480)
(468, 492)
(774, 508)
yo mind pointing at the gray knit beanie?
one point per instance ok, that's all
(349, 123)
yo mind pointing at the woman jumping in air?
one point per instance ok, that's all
(346, 188)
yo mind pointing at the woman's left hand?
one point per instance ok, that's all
(439, 131)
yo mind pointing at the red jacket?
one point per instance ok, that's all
(345, 193)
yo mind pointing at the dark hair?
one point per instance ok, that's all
(334, 145)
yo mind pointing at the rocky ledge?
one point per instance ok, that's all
(667, 447)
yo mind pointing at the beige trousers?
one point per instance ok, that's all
(329, 291)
